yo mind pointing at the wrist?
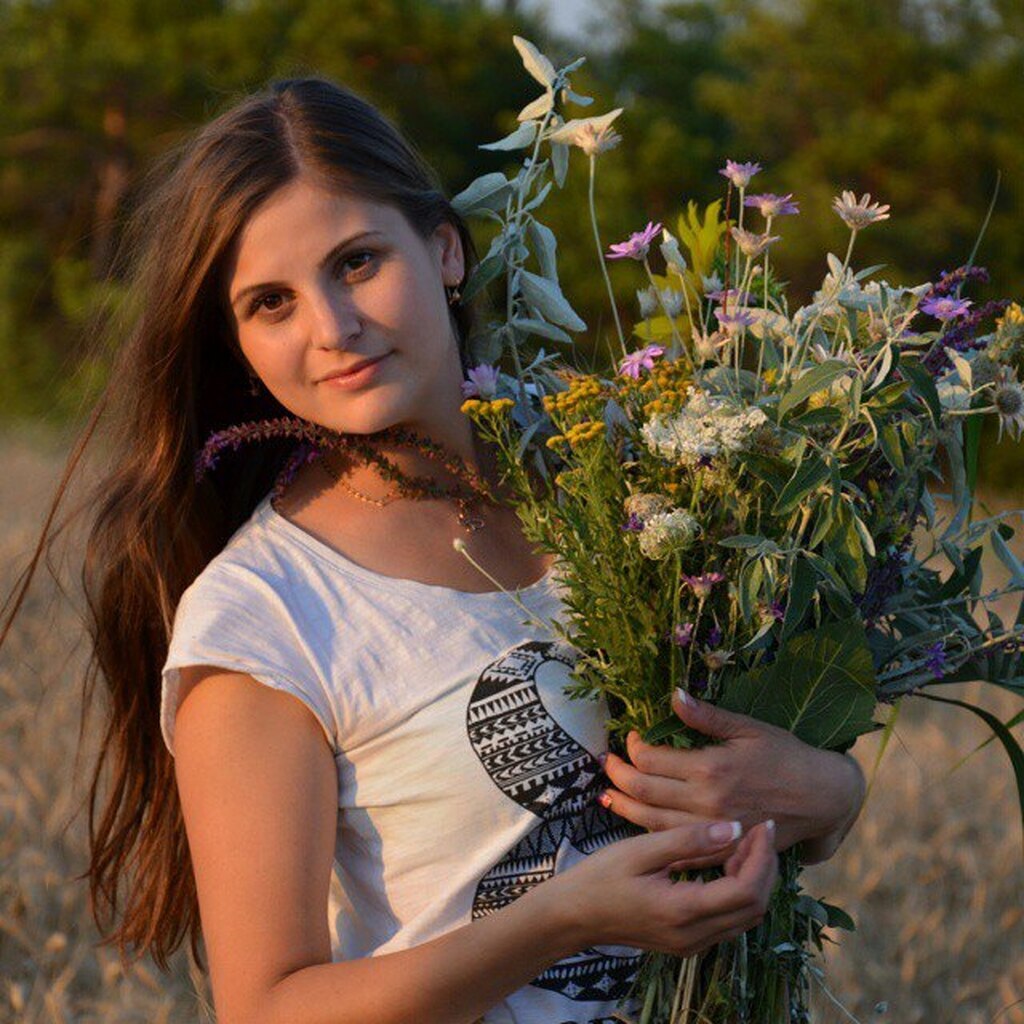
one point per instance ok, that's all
(557, 918)
(845, 809)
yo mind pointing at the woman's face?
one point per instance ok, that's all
(320, 283)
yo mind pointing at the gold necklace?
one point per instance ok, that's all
(469, 520)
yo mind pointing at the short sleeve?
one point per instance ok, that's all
(236, 620)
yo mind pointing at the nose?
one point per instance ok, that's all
(334, 318)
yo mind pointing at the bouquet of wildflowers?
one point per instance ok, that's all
(734, 509)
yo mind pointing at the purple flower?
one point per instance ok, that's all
(714, 636)
(729, 295)
(945, 307)
(701, 585)
(936, 660)
(704, 461)
(637, 245)
(643, 359)
(682, 634)
(634, 524)
(772, 205)
(734, 321)
(482, 383)
(775, 610)
(739, 174)
(950, 279)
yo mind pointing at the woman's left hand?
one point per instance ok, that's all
(757, 771)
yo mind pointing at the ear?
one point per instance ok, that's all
(451, 256)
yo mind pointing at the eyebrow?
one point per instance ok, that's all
(334, 253)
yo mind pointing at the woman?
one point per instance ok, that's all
(315, 702)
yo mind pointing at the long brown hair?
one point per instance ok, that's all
(177, 375)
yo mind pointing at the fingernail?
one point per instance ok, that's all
(601, 758)
(770, 825)
(723, 832)
(604, 799)
(685, 698)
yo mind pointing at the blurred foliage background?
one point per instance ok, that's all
(919, 102)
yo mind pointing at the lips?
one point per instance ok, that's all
(355, 368)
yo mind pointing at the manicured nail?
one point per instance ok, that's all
(723, 832)
(770, 825)
(602, 758)
(685, 698)
(604, 799)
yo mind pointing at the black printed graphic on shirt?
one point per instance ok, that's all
(535, 762)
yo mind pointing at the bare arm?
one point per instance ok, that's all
(259, 794)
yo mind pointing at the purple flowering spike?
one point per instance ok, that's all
(634, 524)
(936, 659)
(636, 246)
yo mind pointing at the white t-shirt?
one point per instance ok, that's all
(465, 774)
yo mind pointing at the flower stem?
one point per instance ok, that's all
(600, 255)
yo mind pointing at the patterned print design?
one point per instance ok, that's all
(535, 762)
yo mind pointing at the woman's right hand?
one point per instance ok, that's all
(623, 895)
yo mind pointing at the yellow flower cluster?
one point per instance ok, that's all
(582, 432)
(1013, 315)
(580, 398)
(669, 384)
(478, 407)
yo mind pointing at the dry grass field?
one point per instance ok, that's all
(932, 872)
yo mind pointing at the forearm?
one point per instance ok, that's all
(452, 979)
(816, 849)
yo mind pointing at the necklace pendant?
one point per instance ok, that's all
(471, 522)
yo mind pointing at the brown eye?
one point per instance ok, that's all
(271, 301)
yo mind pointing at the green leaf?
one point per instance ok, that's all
(837, 917)
(924, 386)
(801, 589)
(521, 138)
(488, 192)
(821, 686)
(972, 445)
(538, 107)
(812, 381)
(892, 447)
(749, 586)
(560, 161)
(809, 475)
(741, 540)
(547, 299)
(534, 61)
(545, 248)
(530, 325)
(483, 274)
(1003, 734)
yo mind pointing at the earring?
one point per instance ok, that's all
(453, 294)
(254, 384)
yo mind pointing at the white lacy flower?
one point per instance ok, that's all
(666, 532)
(704, 428)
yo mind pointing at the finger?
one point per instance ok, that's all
(747, 889)
(654, 819)
(710, 719)
(662, 759)
(720, 928)
(653, 851)
(648, 788)
(732, 865)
